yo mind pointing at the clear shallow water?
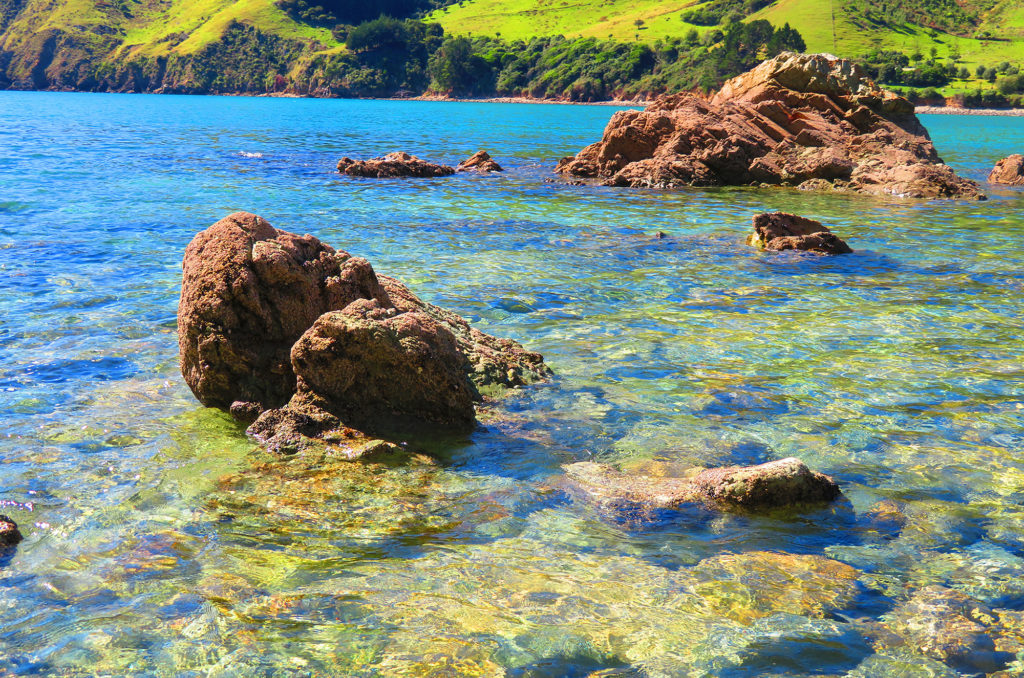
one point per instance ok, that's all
(161, 542)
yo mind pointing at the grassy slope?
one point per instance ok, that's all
(520, 19)
(813, 18)
(155, 27)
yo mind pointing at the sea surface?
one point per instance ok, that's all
(160, 541)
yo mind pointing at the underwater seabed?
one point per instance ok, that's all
(161, 541)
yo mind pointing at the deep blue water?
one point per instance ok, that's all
(160, 541)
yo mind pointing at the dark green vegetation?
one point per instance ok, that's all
(582, 51)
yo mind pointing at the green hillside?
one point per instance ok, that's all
(563, 49)
(859, 26)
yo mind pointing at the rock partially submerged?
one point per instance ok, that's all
(392, 165)
(1009, 171)
(10, 536)
(480, 161)
(785, 482)
(779, 231)
(806, 120)
(305, 340)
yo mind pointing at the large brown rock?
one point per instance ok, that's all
(307, 340)
(806, 120)
(385, 371)
(248, 293)
(393, 165)
(1008, 171)
(777, 231)
(782, 483)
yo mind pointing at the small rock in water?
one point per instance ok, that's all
(393, 165)
(782, 483)
(9, 533)
(480, 161)
(777, 231)
(1009, 171)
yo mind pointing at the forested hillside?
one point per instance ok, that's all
(581, 50)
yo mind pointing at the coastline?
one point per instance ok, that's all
(519, 100)
(953, 110)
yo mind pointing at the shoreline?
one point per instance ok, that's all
(953, 110)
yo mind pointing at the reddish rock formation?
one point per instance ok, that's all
(480, 161)
(382, 370)
(784, 231)
(811, 121)
(9, 534)
(393, 165)
(304, 339)
(785, 482)
(1008, 171)
(248, 293)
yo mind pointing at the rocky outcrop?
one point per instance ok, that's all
(786, 482)
(309, 341)
(248, 292)
(393, 165)
(480, 161)
(806, 120)
(1009, 171)
(777, 231)
(10, 536)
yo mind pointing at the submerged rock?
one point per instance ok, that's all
(9, 533)
(1008, 171)
(785, 482)
(302, 340)
(779, 231)
(393, 165)
(480, 161)
(806, 120)
(949, 626)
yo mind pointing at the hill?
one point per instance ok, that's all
(975, 31)
(567, 49)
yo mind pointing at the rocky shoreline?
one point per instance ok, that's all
(954, 110)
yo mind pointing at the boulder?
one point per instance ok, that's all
(808, 120)
(385, 371)
(786, 482)
(304, 341)
(480, 161)
(1009, 171)
(779, 231)
(9, 534)
(393, 165)
(248, 293)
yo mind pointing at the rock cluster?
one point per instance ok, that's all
(480, 161)
(807, 120)
(284, 330)
(392, 165)
(779, 231)
(784, 482)
(1008, 171)
(9, 533)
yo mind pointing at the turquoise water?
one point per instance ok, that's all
(160, 541)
